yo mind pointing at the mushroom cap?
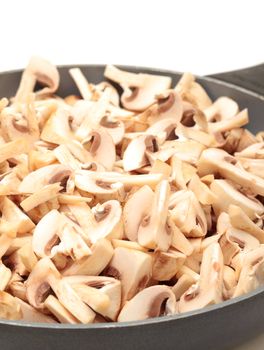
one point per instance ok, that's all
(215, 160)
(136, 207)
(222, 108)
(139, 89)
(152, 231)
(93, 265)
(208, 290)
(252, 272)
(9, 307)
(108, 221)
(50, 174)
(166, 264)
(227, 194)
(149, 303)
(102, 147)
(39, 282)
(133, 268)
(106, 285)
(135, 154)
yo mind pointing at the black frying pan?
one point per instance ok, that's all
(217, 327)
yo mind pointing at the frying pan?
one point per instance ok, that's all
(217, 327)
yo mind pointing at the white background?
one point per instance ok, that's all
(198, 36)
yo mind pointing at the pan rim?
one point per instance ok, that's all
(156, 320)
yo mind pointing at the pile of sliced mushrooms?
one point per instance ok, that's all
(122, 207)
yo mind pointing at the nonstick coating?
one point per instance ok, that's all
(218, 327)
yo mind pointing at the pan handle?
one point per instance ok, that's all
(251, 78)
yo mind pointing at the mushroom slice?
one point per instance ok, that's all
(13, 148)
(226, 194)
(163, 129)
(9, 307)
(182, 285)
(81, 83)
(254, 166)
(41, 196)
(54, 234)
(101, 146)
(166, 264)
(133, 268)
(114, 127)
(254, 151)
(240, 220)
(105, 287)
(235, 240)
(30, 314)
(168, 106)
(136, 207)
(135, 155)
(179, 241)
(107, 184)
(46, 233)
(237, 121)
(187, 150)
(8, 232)
(59, 311)
(139, 89)
(209, 288)
(222, 108)
(151, 302)
(107, 221)
(192, 91)
(127, 244)
(215, 160)
(27, 256)
(152, 231)
(188, 214)
(252, 272)
(51, 174)
(5, 276)
(38, 70)
(58, 128)
(45, 277)
(13, 214)
(101, 254)
(201, 191)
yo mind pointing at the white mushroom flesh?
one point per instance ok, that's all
(115, 206)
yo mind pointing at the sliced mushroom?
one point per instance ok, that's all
(235, 240)
(222, 108)
(5, 276)
(182, 285)
(133, 268)
(13, 214)
(45, 277)
(240, 220)
(136, 207)
(51, 174)
(30, 314)
(163, 129)
(59, 311)
(107, 221)
(37, 70)
(179, 241)
(192, 91)
(251, 275)
(254, 151)
(226, 194)
(215, 160)
(139, 89)
(135, 155)
(8, 232)
(209, 288)
(151, 302)
(9, 307)
(188, 214)
(105, 286)
(166, 264)
(237, 121)
(152, 231)
(201, 191)
(93, 265)
(101, 146)
(58, 129)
